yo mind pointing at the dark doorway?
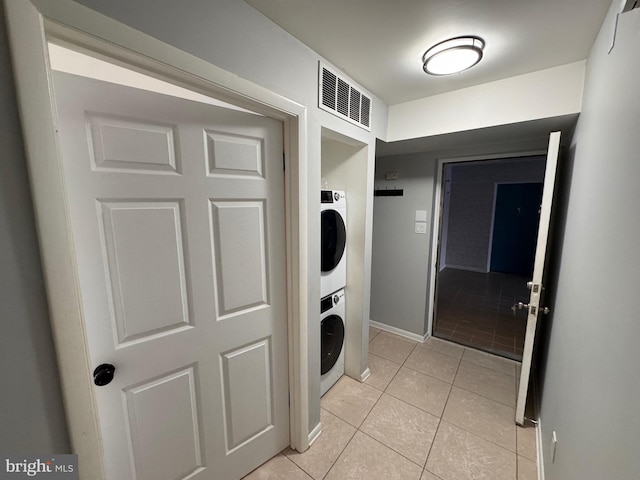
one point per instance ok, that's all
(488, 235)
(517, 214)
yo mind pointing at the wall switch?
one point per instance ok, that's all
(391, 176)
(554, 444)
(421, 215)
(421, 227)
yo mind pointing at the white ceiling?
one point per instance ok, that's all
(380, 43)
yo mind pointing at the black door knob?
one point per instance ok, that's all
(103, 374)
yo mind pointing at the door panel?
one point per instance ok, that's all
(164, 416)
(248, 399)
(234, 155)
(147, 278)
(239, 244)
(128, 144)
(177, 216)
(535, 306)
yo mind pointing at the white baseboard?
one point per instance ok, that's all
(366, 374)
(469, 269)
(536, 402)
(540, 455)
(315, 433)
(398, 331)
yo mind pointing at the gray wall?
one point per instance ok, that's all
(31, 415)
(591, 384)
(471, 203)
(400, 257)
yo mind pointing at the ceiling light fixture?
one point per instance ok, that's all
(453, 56)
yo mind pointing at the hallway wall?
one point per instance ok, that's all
(400, 257)
(591, 383)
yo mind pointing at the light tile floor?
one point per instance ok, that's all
(429, 411)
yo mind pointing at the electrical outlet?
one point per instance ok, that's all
(554, 444)
(391, 176)
(421, 227)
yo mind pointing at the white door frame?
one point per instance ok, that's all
(437, 220)
(31, 23)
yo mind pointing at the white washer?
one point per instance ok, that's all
(334, 241)
(332, 328)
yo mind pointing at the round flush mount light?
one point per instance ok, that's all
(453, 56)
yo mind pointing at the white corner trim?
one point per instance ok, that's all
(398, 331)
(364, 375)
(315, 433)
(540, 453)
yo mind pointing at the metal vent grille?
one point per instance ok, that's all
(337, 96)
(329, 81)
(343, 97)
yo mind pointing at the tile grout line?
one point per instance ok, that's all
(333, 464)
(297, 466)
(358, 429)
(443, 410)
(385, 392)
(369, 413)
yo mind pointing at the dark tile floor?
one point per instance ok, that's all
(474, 309)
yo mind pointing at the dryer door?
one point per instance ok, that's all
(331, 338)
(334, 237)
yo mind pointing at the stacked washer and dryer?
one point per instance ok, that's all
(332, 285)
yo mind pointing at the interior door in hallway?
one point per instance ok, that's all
(535, 306)
(176, 211)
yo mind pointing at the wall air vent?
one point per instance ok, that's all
(337, 96)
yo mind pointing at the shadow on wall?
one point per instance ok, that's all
(556, 239)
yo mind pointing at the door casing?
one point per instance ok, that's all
(31, 24)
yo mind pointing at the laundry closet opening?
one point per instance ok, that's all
(344, 169)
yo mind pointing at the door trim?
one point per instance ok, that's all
(438, 206)
(31, 23)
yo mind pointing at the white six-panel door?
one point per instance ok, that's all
(177, 216)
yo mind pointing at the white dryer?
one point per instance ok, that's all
(332, 316)
(333, 260)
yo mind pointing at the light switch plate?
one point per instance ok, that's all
(421, 215)
(421, 227)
